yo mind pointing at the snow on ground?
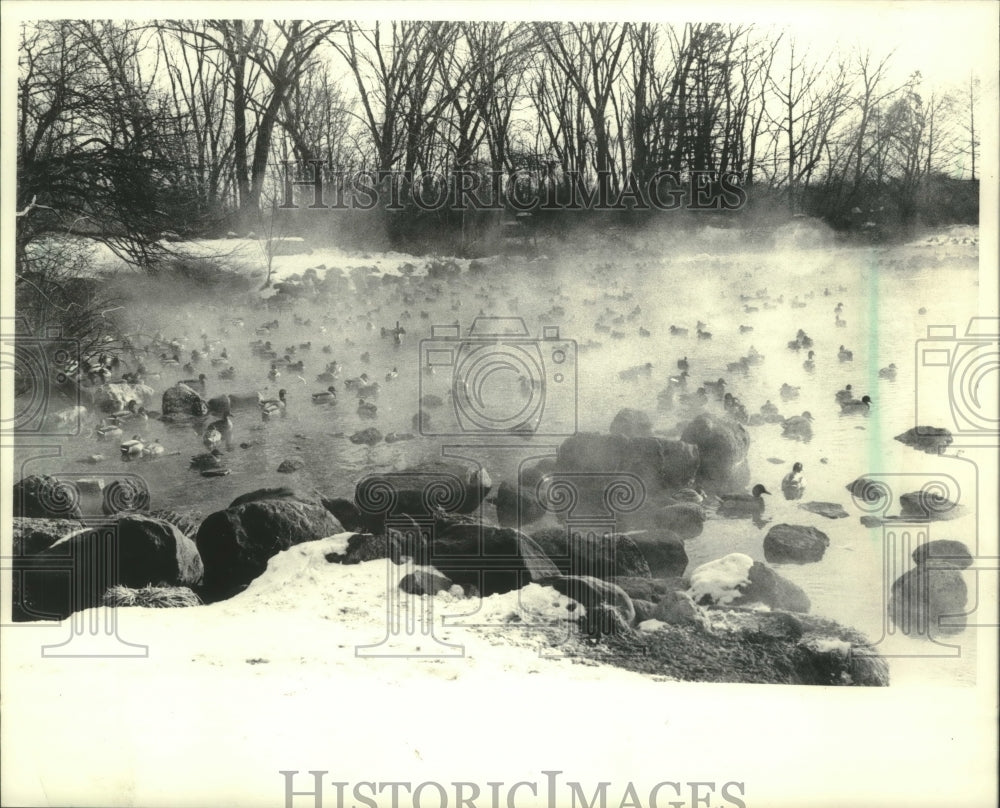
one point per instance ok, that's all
(234, 693)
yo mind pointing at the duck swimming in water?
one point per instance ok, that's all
(207, 460)
(793, 485)
(856, 407)
(743, 506)
(273, 406)
(367, 410)
(327, 396)
(888, 373)
(845, 355)
(788, 393)
(682, 364)
(798, 427)
(392, 374)
(810, 364)
(845, 395)
(132, 449)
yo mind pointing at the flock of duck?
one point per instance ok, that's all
(162, 361)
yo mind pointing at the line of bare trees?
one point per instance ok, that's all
(127, 129)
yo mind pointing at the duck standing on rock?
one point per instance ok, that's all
(793, 485)
(743, 506)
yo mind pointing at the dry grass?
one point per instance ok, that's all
(153, 597)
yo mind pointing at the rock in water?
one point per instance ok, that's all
(831, 510)
(236, 543)
(684, 519)
(929, 439)
(419, 491)
(115, 396)
(941, 552)
(795, 544)
(367, 437)
(661, 464)
(182, 400)
(929, 505)
(632, 424)
(45, 497)
(929, 601)
(722, 448)
(291, 464)
(663, 550)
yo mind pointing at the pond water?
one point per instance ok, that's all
(881, 291)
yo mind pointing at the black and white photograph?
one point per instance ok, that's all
(499, 405)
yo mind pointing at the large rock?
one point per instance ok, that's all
(494, 560)
(345, 512)
(929, 439)
(652, 589)
(393, 545)
(31, 536)
(684, 519)
(425, 582)
(663, 551)
(722, 448)
(941, 552)
(115, 396)
(796, 544)
(516, 503)
(599, 556)
(64, 578)
(661, 464)
(738, 580)
(920, 598)
(182, 400)
(235, 544)
(280, 492)
(594, 593)
(420, 491)
(631, 423)
(517, 506)
(928, 505)
(44, 497)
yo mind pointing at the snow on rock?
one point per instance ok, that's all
(720, 579)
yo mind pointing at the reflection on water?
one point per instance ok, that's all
(880, 292)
